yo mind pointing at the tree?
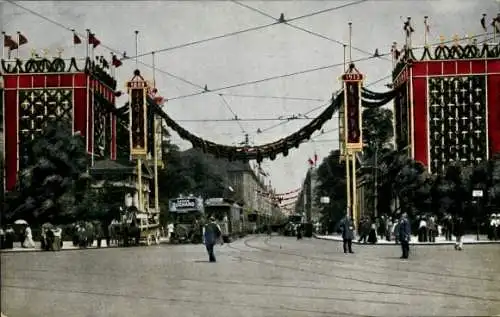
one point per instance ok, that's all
(332, 183)
(55, 179)
(377, 129)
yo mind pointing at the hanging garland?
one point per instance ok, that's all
(269, 150)
(371, 99)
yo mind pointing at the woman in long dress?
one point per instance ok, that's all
(28, 238)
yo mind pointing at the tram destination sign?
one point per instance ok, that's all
(184, 203)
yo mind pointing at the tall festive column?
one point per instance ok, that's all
(137, 90)
(353, 132)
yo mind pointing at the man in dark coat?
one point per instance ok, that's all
(347, 229)
(404, 235)
(212, 235)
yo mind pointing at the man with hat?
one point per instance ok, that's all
(212, 234)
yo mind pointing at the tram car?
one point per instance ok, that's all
(294, 221)
(188, 214)
(228, 215)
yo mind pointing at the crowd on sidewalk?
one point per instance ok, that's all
(426, 227)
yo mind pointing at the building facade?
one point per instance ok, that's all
(248, 189)
(448, 107)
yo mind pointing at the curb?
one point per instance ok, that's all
(66, 249)
(414, 243)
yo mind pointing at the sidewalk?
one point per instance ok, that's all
(67, 245)
(467, 239)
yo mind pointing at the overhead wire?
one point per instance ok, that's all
(271, 97)
(252, 82)
(247, 30)
(113, 50)
(287, 22)
(234, 114)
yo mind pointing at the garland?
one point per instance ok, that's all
(269, 150)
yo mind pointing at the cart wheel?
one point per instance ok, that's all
(148, 240)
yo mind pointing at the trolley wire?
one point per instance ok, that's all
(247, 30)
(113, 50)
(287, 22)
(234, 114)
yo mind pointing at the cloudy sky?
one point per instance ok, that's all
(246, 57)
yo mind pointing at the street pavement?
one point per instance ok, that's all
(254, 276)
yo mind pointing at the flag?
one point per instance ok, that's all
(9, 42)
(483, 23)
(116, 61)
(495, 23)
(93, 40)
(315, 158)
(310, 161)
(76, 39)
(407, 27)
(22, 39)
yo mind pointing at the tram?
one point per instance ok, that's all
(294, 221)
(188, 214)
(228, 215)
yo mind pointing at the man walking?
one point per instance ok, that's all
(347, 228)
(212, 235)
(404, 235)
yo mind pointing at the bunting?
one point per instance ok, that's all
(116, 61)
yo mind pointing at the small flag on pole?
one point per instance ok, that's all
(408, 28)
(9, 42)
(22, 39)
(93, 40)
(116, 61)
(310, 161)
(76, 39)
(483, 23)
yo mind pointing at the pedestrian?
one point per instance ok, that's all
(212, 234)
(28, 238)
(459, 233)
(347, 229)
(432, 229)
(170, 230)
(404, 235)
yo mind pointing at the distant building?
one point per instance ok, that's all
(249, 189)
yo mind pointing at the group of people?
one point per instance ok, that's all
(403, 233)
(8, 236)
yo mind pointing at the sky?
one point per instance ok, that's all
(266, 52)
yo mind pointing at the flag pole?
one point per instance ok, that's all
(136, 49)
(350, 43)
(87, 45)
(4, 35)
(74, 45)
(154, 69)
(426, 26)
(18, 34)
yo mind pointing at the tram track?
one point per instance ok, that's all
(382, 266)
(352, 279)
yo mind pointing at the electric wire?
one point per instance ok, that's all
(253, 82)
(271, 97)
(302, 28)
(113, 50)
(246, 30)
(234, 114)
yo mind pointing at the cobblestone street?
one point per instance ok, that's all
(255, 276)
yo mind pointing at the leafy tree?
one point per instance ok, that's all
(332, 183)
(377, 129)
(55, 179)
